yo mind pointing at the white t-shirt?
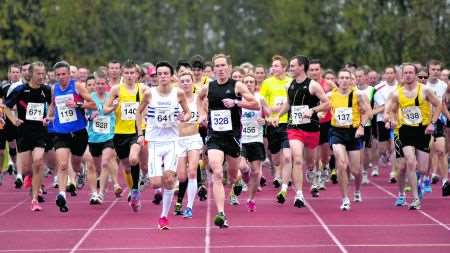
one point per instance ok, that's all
(381, 97)
(439, 88)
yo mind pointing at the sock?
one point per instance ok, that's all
(284, 187)
(167, 200)
(19, 176)
(191, 191)
(299, 193)
(135, 176)
(128, 179)
(63, 194)
(182, 186)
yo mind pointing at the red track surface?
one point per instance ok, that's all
(375, 225)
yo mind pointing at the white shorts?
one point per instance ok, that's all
(159, 154)
(188, 143)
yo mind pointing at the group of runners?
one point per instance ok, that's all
(169, 127)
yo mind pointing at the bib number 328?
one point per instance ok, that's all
(221, 120)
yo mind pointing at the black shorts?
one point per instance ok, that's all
(346, 137)
(398, 147)
(448, 123)
(27, 141)
(277, 138)
(96, 148)
(49, 145)
(203, 131)
(10, 130)
(228, 144)
(2, 139)
(324, 132)
(415, 136)
(374, 127)
(122, 144)
(253, 151)
(264, 131)
(439, 130)
(75, 141)
(367, 136)
(383, 133)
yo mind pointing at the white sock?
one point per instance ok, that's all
(284, 187)
(158, 190)
(191, 191)
(63, 193)
(299, 193)
(166, 200)
(19, 175)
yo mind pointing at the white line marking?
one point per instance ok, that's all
(234, 227)
(381, 188)
(92, 228)
(12, 208)
(233, 246)
(208, 220)
(324, 226)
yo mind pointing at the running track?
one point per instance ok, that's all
(375, 225)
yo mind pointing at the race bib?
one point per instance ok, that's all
(297, 112)
(101, 124)
(164, 118)
(194, 117)
(128, 110)
(280, 101)
(65, 113)
(35, 111)
(250, 129)
(343, 116)
(412, 115)
(221, 120)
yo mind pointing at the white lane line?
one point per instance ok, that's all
(327, 229)
(381, 188)
(208, 221)
(12, 208)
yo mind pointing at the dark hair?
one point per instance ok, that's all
(114, 62)
(61, 64)
(314, 61)
(302, 60)
(164, 64)
(433, 62)
(91, 77)
(409, 64)
(181, 63)
(197, 61)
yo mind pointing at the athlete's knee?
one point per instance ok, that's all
(134, 161)
(341, 164)
(298, 163)
(217, 176)
(411, 164)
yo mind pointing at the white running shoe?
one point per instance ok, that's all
(345, 206)
(375, 172)
(357, 197)
(365, 178)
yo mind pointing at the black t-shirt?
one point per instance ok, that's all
(32, 105)
(298, 94)
(219, 115)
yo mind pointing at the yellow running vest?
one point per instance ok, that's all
(127, 108)
(344, 109)
(415, 111)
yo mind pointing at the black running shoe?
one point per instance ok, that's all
(221, 220)
(262, 181)
(18, 183)
(157, 198)
(202, 193)
(276, 183)
(61, 203)
(41, 198)
(446, 189)
(72, 189)
(237, 188)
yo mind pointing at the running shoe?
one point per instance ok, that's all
(35, 207)
(234, 201)
(244, 187)
(187, 213)
(221, 220)
(251, 205)
(27, 181)
(365, 178)
(281, 196)
(310, 176)
(333, 176)
(315, 191)
(43, 190)
(375, 172)
(72, 189)
(237, 188)
(400, 201)
(299, 201)
(345, 206)
(434, 179)
(357, 196)
(178, 209)
(276, 182)
(40, 198)
(81, 178)
(93, 200)
(420, 190)
(446, 189)
(55, 182)
(262, 181)
(202, 193)
(157, 198)
(11, 169)
(61, 203)
(163, 223)
(427, 185)
(322, 186)
(415, 204)
(118, 191)
(135, 202)
(18, 182)
(100, 197)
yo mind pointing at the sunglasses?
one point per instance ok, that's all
(423, 77)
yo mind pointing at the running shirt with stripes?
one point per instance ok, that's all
(345, 109)
(415, 111)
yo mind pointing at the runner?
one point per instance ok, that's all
(162, 104)
(305, 99)
(350, 112)
(224, 128)
(414, 100)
